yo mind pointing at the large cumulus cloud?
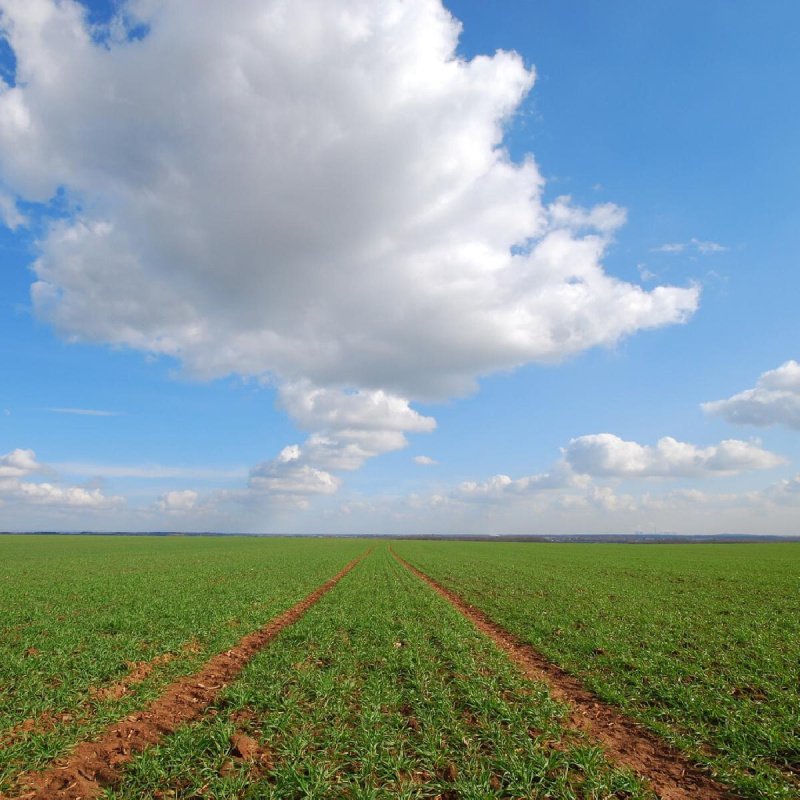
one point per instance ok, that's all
(312, 190)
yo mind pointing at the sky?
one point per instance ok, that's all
(399, 266)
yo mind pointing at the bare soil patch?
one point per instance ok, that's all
(671, 775)
(94, 765)
(137, 672)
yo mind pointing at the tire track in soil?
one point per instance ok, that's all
(626, 742)
(138, 671)
(83, 713)
(92, 766)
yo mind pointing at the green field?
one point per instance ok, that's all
(382, 689)
(76, 612)
(701, 642)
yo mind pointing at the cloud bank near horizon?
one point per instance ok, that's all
(18, 469)
(600, 483)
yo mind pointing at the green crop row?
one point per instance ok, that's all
(381, 691)
(699, 642)
(78, 614)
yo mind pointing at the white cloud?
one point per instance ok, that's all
(583, 508)
(606, 455)
(785, 492)
(311, 190)
(63, 496)
(503, 487)
(178, 501)
(10, 215)
(645, 274)
(349, 427)
(287, 477)
(605, 217)
(331, 409)
(775, 400)
(147, 471)
(682, 499)
(14, 490)
(85, 412)
(425, 461)
(704, 248)
(606, 499)
(695, 245)
(18, 463)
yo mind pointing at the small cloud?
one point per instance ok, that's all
(645, 274)
(425, 461)
(774, 400)
(149, 471)
(703, 247)
(708, 247)
(85, 412)
(10, 215)
(18, 463)
(177, 501)
(7, 412)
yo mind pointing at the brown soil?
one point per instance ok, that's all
(137, 672)
(49, 720)
(625, 741)
(94, 765)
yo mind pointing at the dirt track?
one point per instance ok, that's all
(93, 765)
(625, 741)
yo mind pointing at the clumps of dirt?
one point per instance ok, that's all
(138, 671)
(94, 765)
(246, 751)
(410, 720)
(245, 747)
(625, 741)
(417, 777)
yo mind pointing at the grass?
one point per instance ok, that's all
(381, 691)
(700, 642)
(77, 613)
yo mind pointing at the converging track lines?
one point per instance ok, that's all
(91, 766)
(626, 742)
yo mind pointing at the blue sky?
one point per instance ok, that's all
(286, 253)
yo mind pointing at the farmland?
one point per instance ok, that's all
(700, 642)
(77, 615)
(381, 688)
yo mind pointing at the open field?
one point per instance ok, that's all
(80, 615)
(381, 690)
(701, 643)
(376, 686)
